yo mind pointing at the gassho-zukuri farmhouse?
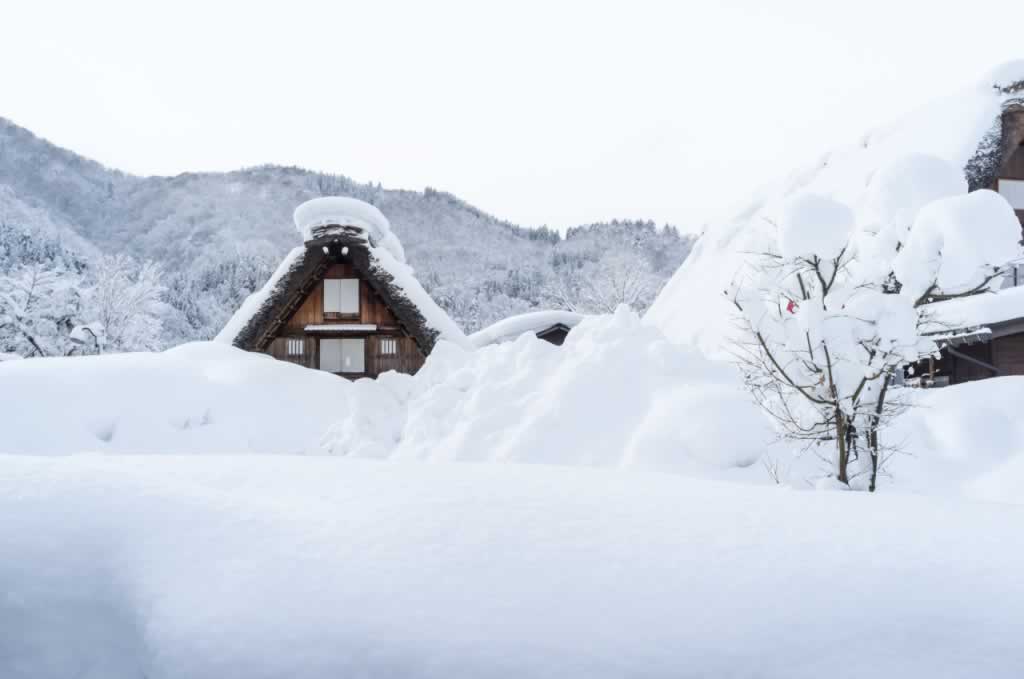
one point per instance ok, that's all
(346, 301)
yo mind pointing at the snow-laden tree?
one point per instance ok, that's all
(39, 307)
(124, 297)
(601, 286)
(837, 301)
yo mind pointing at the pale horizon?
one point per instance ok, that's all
(543, 116)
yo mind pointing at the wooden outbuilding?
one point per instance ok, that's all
(984, 335)
(552, 326)
(345, 301)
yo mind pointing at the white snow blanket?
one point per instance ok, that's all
(196, 398)
(532, 322)
(617, 394)
(327, 567)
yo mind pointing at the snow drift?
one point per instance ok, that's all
(612, 395)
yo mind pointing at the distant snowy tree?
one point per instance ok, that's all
(124, 297)
(835, 306)
(601, 286)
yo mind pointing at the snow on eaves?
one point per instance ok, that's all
(514, 326)
(404, 282)
(977, 310)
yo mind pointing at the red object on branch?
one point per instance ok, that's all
(791, 307)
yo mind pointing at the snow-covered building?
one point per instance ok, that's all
(550, 325)
(345, 301)
(979, 129)
(980, 336)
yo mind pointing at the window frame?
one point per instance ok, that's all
(341, 343)
(295, 347)
(387, 346)
(1017, 193)
(332, 311)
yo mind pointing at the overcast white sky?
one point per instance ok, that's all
(541, 113)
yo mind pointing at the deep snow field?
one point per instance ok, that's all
(232, 566)
(163, 549)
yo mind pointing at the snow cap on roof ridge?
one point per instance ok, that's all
(314, 218)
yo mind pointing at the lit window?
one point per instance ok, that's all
(296, 346)
(388, 346)
(341, 296)
(1013, 191)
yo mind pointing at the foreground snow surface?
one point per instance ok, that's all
(324, 567)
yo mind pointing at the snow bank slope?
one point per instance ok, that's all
(968, 439)
(197, 398)
(692, 309)
(616, 393)
(323, 567)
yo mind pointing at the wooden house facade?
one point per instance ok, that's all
(343, 326)
(342, 305)
(983, 335)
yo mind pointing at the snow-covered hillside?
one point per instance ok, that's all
(218, 236)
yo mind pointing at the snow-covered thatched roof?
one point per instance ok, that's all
(975, 129)
(358, 232)
(532, 322)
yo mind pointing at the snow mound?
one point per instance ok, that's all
(272, 567)
(313, 215)
(616, 393)
(197, 398)
(514, 326)
(814, 226)
(980, 227)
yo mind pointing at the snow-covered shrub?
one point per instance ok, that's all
(834, 304)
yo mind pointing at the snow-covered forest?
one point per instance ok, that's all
(175, 256)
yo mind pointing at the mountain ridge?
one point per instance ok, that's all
(480, 266)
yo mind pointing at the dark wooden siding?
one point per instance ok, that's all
(1008, 354)
(965, 371)
(407, 359)
(372, 311)
(1014, 169)
(309, 357)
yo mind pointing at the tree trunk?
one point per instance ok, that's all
(873, 444)
(844, 451)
